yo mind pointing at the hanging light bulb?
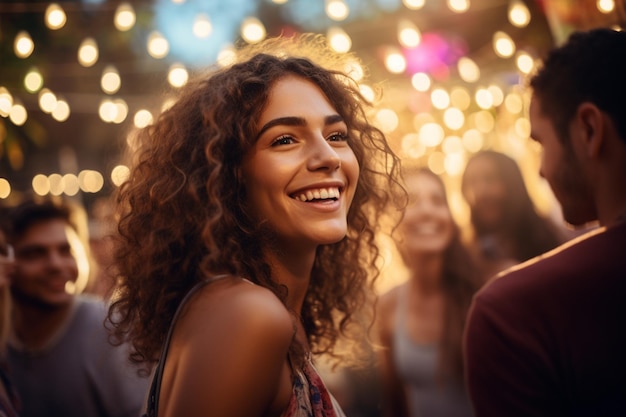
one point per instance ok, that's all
(55, 16)
(125, 17)
(408, 34)
(519, 15)
(88, 52)
(23, 44)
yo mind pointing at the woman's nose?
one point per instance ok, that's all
(323, 155)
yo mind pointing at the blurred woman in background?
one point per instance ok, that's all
(506, 226)
(421, 321)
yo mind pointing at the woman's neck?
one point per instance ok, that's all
(292, 270)
(426, 275)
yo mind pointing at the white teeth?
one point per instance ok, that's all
(318, 194)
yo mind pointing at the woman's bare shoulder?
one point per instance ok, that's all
(239, 303)
(231, 342)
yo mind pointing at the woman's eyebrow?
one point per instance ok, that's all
(296, 121)
(286, 121)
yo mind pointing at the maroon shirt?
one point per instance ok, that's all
(548, 338)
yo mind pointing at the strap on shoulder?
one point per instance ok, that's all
(155, 386)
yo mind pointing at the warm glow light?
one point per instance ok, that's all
(525, 63)
(56, 184)
(47, 100)
(414, 4)
(252, 30)
(226, 56)
(5, 188)
(606, 6)
(23, 45)
(90, 181)
(70, 184)
(387, 120)
(354, 70)
(409, 35)
(18, 114)
(421, 119)
(454, 163)
(431, 134)
(41, 184)
(513, 103)
(519, 15)
(142, 118)
(337, 10)
(458, 6)
(395, 62)
(460, 98)
(119, 174)
(6, 102)
(503, 45)
(110, 81)
(483, 98)
(339, 39)
(82, 263)
(453, 118)
(440, 98)
(497, 95)
(522, 127)
(202, 26)
(158, 46)
(55, 17)
(452, 144)
(61, 111)
(436, 162)
(412, 146)
(484, 121)
(367, 92)
(121, 110)
(88, 52)
(177, 75)
(473, 140)
(420, 81)
(33, 80)
(468, 70)
(124, 17)
(107, 111)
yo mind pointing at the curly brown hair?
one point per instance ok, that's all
(182, 216)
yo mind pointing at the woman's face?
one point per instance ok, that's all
(427, 226)
(301, 174)
(485, 192)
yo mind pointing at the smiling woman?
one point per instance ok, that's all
(421, 321)
(251, 209)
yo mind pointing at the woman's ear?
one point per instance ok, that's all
(591, 123)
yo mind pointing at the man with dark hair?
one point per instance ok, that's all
(548, 337)
(60, 358)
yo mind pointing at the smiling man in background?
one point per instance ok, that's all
(59, 355)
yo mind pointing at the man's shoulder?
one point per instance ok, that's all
(576, 261)
(91, 307)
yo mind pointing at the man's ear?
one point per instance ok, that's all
(590, 121)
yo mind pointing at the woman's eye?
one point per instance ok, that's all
(283, 140)
(338, 137)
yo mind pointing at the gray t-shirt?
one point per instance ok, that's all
(79, 374)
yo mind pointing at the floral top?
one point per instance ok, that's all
(310, 397)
